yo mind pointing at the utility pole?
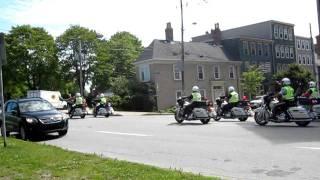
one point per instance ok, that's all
(182, 50)
(80, 62)
(2, 62)
(313, 57)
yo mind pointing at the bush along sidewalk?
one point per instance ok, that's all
(29, 160)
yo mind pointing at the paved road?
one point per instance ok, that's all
(229, 149)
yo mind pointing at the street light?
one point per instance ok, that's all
(182, 50)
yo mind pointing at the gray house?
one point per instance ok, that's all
(278, 36)
(206, 66)
(304, 52)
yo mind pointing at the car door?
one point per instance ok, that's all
(12, 116)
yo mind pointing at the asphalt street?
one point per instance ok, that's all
(229, 149)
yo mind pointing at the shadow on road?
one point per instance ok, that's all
(287, 133)
(187, 124)
(44, 137)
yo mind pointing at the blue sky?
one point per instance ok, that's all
(147, 18)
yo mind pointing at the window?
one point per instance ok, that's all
(231, 72)
(280, 32)
(303, 60)
(307, 45)
(216, 72)
(299, 59)
(282, 51)
(260, 49)
(266, 50)
(277, 51)
(285, 33)
(245, 48)
(200, 72)
(144, 73)
(176, 73)
(275, 32)
(302, 45)
(203, 93)
(12, 106)
(178, 94)
(287, 52)
(253, 48)
(298, 43)
(291, 52)
(290, 34)
(308, 60)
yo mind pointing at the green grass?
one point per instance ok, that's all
(29, 160)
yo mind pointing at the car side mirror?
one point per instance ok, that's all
(14, 112)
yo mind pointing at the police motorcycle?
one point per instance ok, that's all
(78, 110)
(296, 114)
(103, 110)
(202, 110)
(235, 112)
(312, 105)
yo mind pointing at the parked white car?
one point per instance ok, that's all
(54, 97)
(256, 102)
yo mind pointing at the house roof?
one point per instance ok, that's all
(194, 51)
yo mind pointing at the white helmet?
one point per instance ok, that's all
(285, 81)
(195, 88)
(312, 84)
(101, 95)
(231, 88)
(78, 94)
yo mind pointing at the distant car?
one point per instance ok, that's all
(256, 102)
(34, 116)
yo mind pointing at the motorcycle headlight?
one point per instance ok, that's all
(31, 120)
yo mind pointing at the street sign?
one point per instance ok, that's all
(3, 57)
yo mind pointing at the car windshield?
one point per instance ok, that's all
(32, 106)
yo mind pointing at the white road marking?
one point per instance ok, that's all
(124, 134)
(311, 148)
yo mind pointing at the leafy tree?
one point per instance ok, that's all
(252, 80)
(32, 61)
(124, 48)
(69, 49)
(298, 75)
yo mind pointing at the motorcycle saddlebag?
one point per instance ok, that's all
(236, 111)
(200, 113)
(299, 113)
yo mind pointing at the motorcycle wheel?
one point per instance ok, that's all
(205, 121)
(242, 119)
(178, 117)
(217, 118)
(260, 118)
(303, 123)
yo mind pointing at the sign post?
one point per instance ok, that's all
(2, 62)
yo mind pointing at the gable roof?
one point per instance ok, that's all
(194, 51)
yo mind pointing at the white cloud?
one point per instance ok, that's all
(147, 18)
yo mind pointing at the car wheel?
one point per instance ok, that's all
(107, 115)
(63, 133)
(205, 121)
(243, 119)
(83, 116)
(303, 123)
(23, 133)
(217, 118)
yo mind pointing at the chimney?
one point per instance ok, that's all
(169, 32)
(216, 34)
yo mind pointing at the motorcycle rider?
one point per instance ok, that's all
(232, 99)
(78, 103)
(102, 102)
(312, 92)
(286, 96)
(195, 97)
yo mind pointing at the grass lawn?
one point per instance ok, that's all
(29, 160)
